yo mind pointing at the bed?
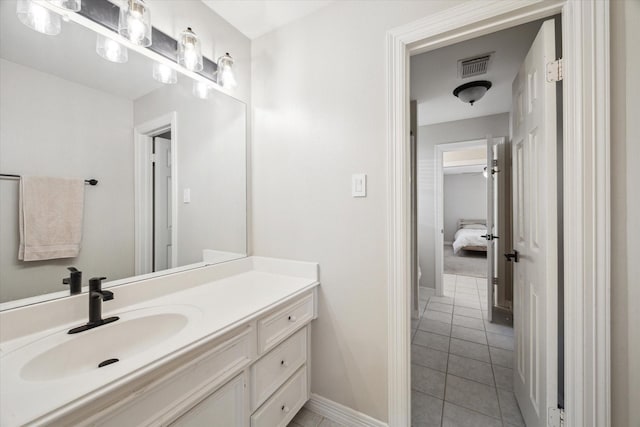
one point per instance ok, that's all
(469, 236)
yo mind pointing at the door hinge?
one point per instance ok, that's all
(555, 71)
(495, 280)
(556, 417)
(153, 158)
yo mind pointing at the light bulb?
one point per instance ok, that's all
(111, 50)
(190, 57)
(38, 18)
(226, 78)
(134, 22)
(164, 74)
(201, 89)
(136, 26)
(189, 52)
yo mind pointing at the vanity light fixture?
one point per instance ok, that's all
(134, 22)
(164, 74)
(73, 5)
(38, 18)
(225, 75)
(111, 50)
(189, 51)
(201, 89)
(472, 91)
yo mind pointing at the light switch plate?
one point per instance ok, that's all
(359, 185)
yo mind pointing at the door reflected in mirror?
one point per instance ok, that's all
(171, 167)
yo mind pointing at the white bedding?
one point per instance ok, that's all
(469, 237)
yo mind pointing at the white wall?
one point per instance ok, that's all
(36, 139)
(428, 137)
(465, 197)
(625, 213)
(319, 108)
(211, 163)
(217, 35)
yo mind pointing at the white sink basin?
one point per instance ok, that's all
(62, 355)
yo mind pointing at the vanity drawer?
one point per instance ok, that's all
(272, 370)
(280, 409)
(275, 327)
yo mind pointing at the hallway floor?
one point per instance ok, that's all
(461, 365)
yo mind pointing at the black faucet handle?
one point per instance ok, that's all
(107, 295)
(73, 270)
(95, 283)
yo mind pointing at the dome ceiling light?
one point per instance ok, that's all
(472, 91)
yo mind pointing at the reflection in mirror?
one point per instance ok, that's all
(171, 166)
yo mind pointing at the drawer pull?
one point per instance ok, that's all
(285, 409)
(284, 363)
(292, 318)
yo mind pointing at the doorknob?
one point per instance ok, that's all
(489, 236)
(515, 256)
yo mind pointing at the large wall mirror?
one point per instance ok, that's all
(170, 160)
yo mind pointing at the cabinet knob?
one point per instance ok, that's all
(284, 363)
(285, 409)
(292, 318)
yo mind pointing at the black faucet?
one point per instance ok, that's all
(74, 281)
(96, 296)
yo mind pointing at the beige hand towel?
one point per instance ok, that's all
(50, 212)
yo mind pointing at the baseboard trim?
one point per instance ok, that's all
(340, 413)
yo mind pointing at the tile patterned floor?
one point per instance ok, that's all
(461, 365)
(306, 418)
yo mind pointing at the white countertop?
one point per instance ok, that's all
(214, 307)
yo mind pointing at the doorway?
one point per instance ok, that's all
(156, 204)
(463, 360)
(586, 143)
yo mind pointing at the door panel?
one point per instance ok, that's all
(535, 231)
(162, 204)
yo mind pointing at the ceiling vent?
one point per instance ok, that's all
(474, 66)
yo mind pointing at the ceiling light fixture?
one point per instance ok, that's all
(164, 74)
(472, 91)
(73, 5)
(38, 18)
(189, 51)
(134, 22)
(111, 50)
(225, 76)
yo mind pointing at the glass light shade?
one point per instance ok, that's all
(189, 51)
(134, 22)
(38, 18)
(201, 89)
(473, 91)
(225, 75)
(164, 74)
(111, 50)
(73, 5)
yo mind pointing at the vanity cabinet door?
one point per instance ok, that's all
(227, 407)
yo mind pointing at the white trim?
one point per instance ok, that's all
(341, 414)
(143, 232)
(438, 204)
(586, 190)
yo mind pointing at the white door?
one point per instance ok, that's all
(535, 231)
(162, 204)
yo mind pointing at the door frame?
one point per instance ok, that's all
(586, 152)
(439, 150)
(143, 190)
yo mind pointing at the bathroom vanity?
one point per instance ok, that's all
(222, 345)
